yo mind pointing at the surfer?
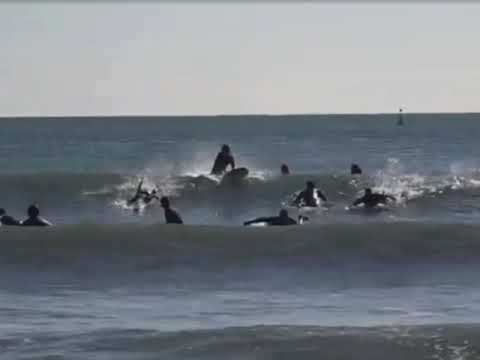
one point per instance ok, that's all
(370, 199)
(141, 194)
(34, 218)
(355, 169)
(309, 197)
(281, 220)
(223, 159)
(147, 198)
(7, 219)
(171, 216)
(284, 169)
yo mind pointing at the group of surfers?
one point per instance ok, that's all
(33, 218)
(309, 197)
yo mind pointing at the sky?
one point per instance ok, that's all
(209, 58)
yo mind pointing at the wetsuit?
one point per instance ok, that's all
(372, 200)
(8, 220)
(307, 198)
(172, 217)
(35, 221)
(221, 162)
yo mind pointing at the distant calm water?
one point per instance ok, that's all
(107, 282)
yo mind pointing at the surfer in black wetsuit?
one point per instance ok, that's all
(34, 218)
(147, 198)
(139, 194)
(309, 196)
(370, 199)
(171, 216)
(143, 195)
(355, 169)
(7, 219)
(284, 169)
(281, 220)
(223, 159)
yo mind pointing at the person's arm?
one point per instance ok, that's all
(139, 187)
(321, 195)
(217, 158)
(292, 221)
(358, 201)
(390, 197)
(258, 220)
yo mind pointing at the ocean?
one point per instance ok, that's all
(109, 282)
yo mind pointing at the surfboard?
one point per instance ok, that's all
(363, 210)
(235, 176)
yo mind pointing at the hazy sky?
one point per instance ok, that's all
(220, 58)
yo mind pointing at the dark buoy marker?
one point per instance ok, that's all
(400, 117)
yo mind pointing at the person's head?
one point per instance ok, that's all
(283, 214)
(368, 191)
(33, 211)
(355, 169)
(165, 202)
(284, 169)
(310, 185)
(225, 149)
(2, 211)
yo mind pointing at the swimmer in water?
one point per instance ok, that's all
(281, 220)
(7, 219)
(171, 216)
(284, 169)
(309, 197)
(371, 200)
(223, 159)
(34, 218)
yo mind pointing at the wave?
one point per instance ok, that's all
(113, 187)
(443, 342)
(337, 244)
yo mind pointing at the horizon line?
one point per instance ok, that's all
(3, 117)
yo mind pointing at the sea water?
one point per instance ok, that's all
(109, 282)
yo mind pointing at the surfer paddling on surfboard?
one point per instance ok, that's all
(371, 200)
(281, 220)
(310, 196)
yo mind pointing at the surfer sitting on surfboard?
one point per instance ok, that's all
(171, 216)
(223, 159)
(310, 196)
(370, 199)
(281, 220)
